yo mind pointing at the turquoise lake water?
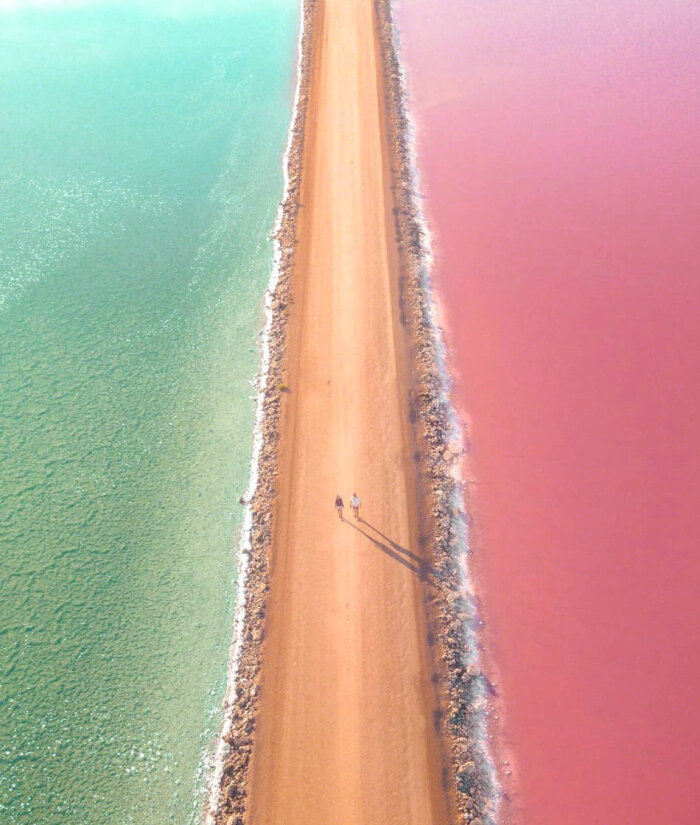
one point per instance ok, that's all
(140, 169)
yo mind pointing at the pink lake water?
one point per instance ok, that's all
(559, 146)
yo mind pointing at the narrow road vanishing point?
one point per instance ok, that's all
(345, 732)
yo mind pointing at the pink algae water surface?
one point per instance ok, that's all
(559, 146)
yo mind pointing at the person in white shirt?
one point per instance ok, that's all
(355, 504)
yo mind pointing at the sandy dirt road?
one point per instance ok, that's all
(345, 732)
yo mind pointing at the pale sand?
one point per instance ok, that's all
(352, 693)
(345, 729)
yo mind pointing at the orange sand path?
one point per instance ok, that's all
(345, 731)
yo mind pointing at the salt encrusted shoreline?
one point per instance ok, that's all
(452, 611)
(451, 608)
(228, 799)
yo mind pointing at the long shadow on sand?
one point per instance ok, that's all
(400, 554)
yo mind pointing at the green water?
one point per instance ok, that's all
(140, 168)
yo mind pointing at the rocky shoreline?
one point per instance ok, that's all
(241, 711)
(451, 606)
(451, 612)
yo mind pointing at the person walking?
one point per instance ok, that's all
(355, 504)
(339, 506)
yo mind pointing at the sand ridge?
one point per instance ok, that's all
(346, 685)
(352, 660)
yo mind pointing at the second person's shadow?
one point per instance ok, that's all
(400, 554)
